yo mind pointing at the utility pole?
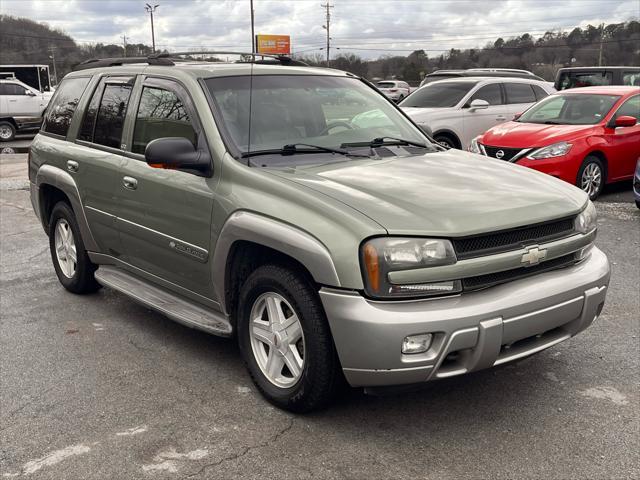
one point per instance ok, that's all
(253, 32)
(328, 6)
(124, 41)
(152, 8)
(53, 60)
(601, 38)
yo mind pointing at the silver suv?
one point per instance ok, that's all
(301, 212)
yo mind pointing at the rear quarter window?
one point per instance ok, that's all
(58, 116)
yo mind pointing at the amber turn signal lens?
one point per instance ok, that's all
(372, 266)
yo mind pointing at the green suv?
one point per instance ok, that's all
(300, 211)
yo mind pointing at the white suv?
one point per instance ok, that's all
(396, 90)
(21, 107)
(459, 109)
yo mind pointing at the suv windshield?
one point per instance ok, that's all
(438, 95)
(570, 109)
(269, 112)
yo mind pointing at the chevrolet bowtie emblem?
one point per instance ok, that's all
(533, 256)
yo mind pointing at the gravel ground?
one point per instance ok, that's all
(99, 387)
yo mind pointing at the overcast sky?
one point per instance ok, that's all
(369, 28)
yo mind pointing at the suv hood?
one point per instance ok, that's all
(448, 194)
(524, 135)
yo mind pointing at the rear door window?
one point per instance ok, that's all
(519, 93)
(491, 93)
(111, 115)
(62, 107)
(161, 114)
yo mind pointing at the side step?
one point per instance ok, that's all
(173, 306)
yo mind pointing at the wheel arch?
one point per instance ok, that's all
(599, 154)
(53, 183)
(451, 134)
(270, 239)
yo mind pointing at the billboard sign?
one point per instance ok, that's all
(273, 44)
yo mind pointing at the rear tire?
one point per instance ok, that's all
(591, 176)
(70, 260)
(272, 301)
(7, 131)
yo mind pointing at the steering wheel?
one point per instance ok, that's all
(337, 123)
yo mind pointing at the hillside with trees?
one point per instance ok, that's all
(26, 41)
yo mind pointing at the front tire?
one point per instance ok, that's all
(591, 177)
(70, 260)
(7, 131)
(285, 339)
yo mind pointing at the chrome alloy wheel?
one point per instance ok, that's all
(591, 179)
(277, 340)
(65, 248)
(5, 132)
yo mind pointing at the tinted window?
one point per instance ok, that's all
(519, 93)
(438, 94)
(12, 89)
(586, 79)
(540, 92)
(630, 108)
(161, 114)
(89, 121)
(110, 119)
(631, 78)
(489, 93)
(60, 112)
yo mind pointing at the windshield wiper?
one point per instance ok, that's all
(380, 141)
(293, 148)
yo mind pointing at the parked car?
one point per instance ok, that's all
(458, 110)
(574, 77)
(396, 90)
(587, 137)
(227, 197)
(21, 108)
(474, 72)
(636, 184)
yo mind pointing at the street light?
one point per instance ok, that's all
(152, 8)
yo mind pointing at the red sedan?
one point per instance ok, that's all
(585, 136)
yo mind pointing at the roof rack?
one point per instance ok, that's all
(169, 59)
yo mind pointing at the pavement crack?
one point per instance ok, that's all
(245, 450)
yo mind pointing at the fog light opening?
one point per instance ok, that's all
(416, 343)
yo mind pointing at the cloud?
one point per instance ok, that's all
(368, 27)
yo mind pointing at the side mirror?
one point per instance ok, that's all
(30, 93)
(175, 153)
(625, 121)
(478, 104)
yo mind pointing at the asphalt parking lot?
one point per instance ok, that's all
(99, 387)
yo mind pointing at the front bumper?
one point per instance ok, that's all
(471, 331)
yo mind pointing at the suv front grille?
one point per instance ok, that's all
(507, 153)
(491, 279)
(506, 240)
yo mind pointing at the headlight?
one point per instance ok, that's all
(555, 150)
(587, 220)
(474, 147)
(380, 256)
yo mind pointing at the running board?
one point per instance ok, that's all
(168, 303)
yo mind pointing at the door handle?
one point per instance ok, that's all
(72, 166)
(130, 183)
